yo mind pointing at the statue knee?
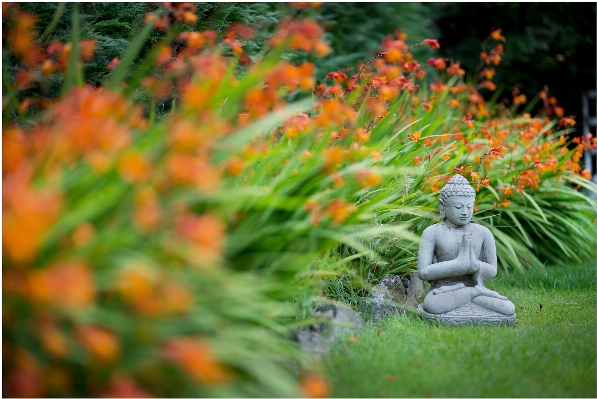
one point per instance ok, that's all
(441, 303)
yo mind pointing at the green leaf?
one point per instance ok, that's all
(118, 75)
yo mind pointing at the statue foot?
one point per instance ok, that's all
(481, 290)
(498, 305)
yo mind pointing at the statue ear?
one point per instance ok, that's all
(442, 213)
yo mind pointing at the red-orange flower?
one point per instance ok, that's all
(433, 43)
(497, 151)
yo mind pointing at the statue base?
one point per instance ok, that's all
(469, 314)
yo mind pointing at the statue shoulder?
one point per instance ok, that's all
(482, 230)
(431, 230)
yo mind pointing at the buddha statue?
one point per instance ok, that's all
(457, 257)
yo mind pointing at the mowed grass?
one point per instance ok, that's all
(550, 352)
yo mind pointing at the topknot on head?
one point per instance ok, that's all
(457, 186)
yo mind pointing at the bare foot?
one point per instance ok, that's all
(481, 290)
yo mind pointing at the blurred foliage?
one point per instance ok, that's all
(355, 30)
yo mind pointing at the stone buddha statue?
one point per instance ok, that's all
(457, 257)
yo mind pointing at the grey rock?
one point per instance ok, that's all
(392, 296)
(335, 319)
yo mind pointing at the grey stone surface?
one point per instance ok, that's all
(457, 257)
(337, 319)
(470, 314)
(392, 296)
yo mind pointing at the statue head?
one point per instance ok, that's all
(456, 201)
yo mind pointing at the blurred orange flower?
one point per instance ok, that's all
(124, 387)
(207, 231)
(195, 357)
(367, 178)
(315, 386)
(68, 283)
(134, 167)
(338, 210)
(101, 343)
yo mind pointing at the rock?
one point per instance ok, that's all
(393, 295)
(338, 319)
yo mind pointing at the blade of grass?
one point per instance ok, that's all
(118, 75)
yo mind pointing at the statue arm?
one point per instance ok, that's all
(433, 271)
(488, 258)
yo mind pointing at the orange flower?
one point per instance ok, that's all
(189, 18)
(333, 156)
(428, 142)
(124, 387)
(485, 182)
(315, 386)
(497, 151)
(14, 148)
(497, 35)
(52, 340)
(99, 342)
(27, 215)
(416, 136)
(147, 213)
(505, 203)
(186, 169)
(455, 69)
(439, 63)
(164, 54)
(195, 357)
(207, 231)
(176, 299)
(87, 48)
(521, 99)
(235, 166)
(367, 178)
(68, 283)
(567, 121)
(134, 167)
(339, 210)
(586, 174)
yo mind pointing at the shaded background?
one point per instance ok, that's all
(547, 44)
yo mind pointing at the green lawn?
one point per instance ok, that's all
(550, 352)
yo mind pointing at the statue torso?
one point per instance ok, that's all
(447, 244)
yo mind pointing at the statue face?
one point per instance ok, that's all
(459, 210)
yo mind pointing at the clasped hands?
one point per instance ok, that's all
(466, 256)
